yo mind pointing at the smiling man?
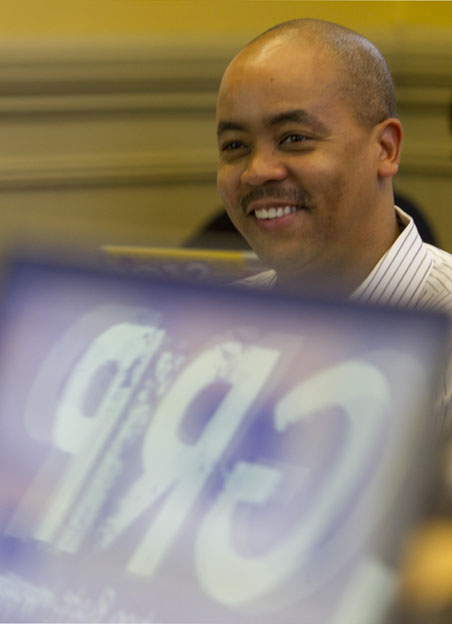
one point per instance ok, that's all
(309, 141)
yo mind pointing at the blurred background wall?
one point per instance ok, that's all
(107, 111)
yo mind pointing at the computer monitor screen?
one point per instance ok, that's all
(178, 453)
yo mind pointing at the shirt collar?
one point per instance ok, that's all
(399, 276)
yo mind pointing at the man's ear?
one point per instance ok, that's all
(390, 135)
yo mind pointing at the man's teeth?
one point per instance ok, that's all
(274, 213)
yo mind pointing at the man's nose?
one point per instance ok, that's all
(263, 165)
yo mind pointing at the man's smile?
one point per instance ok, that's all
(261, 201)
(274, 212)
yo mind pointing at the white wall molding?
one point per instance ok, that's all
(85, 170)
(163, 102)
(140, 66)
(95, 77)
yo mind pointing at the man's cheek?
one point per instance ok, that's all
(222, 183)
(234, 211)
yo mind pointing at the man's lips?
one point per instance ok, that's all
(274, 203)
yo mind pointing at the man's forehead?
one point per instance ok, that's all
(279, 46)
(275, 78)
(264, 50)
(280, 59)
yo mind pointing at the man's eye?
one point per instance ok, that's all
(294, 138)
(231, 146)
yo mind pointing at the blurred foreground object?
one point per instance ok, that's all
(426, 570)
(174, 452)
(220, 265)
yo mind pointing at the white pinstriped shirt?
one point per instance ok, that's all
(411, 273)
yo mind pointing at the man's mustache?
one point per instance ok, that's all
(275, 191)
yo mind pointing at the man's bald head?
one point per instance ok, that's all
(308, 147)
(363, 73)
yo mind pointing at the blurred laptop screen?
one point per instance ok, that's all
(178, 453)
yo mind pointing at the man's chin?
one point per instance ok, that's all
(284, 263)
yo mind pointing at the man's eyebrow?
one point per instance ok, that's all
(301, 116)
(224, 126)
(298, 115)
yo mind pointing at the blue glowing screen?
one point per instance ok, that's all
(176, 454)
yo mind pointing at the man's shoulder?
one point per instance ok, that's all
(262, 280)
(438, 288)
(442, 263)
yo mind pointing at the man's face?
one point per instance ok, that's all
(297, 172)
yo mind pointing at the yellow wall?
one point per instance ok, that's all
(75, 18)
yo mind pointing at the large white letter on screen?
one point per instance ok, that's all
(362, 392)
(168, 462)
(129, 347)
